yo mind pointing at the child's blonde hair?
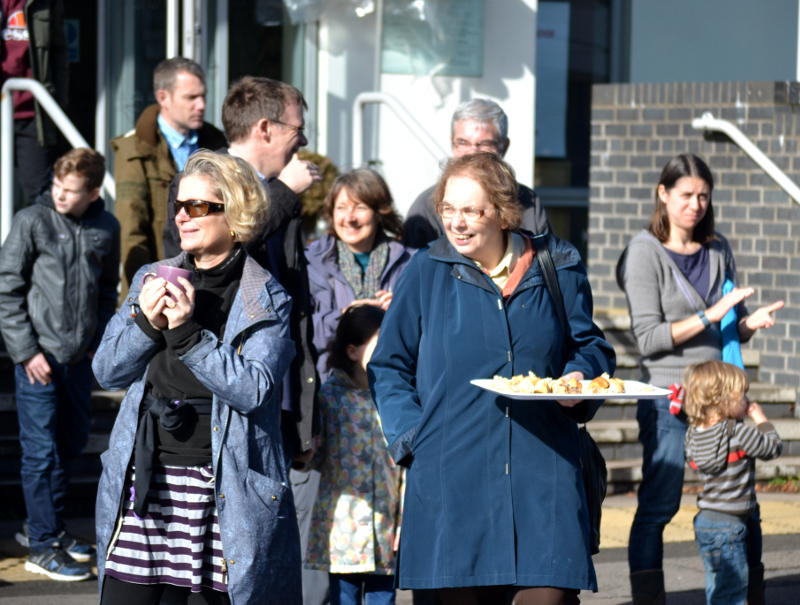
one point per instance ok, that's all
(713, 389)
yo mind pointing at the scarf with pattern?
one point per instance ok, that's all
(365, 284)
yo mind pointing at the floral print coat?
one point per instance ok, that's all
(357, 510)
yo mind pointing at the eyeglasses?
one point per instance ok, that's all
(470, 213)
(299, 130)
(197, 208)
(487, 145)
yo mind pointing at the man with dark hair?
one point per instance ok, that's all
(148, 157)
(477, 125)
(59, 270)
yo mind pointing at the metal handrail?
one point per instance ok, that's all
(708, 122)
(430, 144)
(60, 119)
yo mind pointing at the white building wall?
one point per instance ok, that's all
(347, 68)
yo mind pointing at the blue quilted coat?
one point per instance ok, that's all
(258, 528)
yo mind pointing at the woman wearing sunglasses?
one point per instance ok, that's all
(193, 504)
(495, 510)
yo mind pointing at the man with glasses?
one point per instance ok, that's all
(148, 157)
(264, 123)
(477, 125)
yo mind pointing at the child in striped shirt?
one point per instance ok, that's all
(722, 450)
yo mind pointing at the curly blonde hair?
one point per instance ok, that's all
(235, 182)
(713, 390)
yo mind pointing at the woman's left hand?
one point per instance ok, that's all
(384, 298)
(570, 403)
(762, 317)
(179, 304)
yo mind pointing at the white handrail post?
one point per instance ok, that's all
(189, 37)
(173, 30)
(6, 161)
(60, 119)
(708, 122)
(358, 133)
(422, 135)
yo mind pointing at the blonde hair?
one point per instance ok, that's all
(713, 390)
(236, 183)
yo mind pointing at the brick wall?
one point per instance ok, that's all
(637, 128)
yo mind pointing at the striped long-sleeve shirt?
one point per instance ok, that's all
(724, 457)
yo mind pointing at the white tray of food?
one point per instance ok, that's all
(531, 387)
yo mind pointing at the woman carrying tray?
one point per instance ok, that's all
(673, 274)
(495, 508)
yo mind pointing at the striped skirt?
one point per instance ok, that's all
(177, 541)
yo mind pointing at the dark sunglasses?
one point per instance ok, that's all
(197, 208)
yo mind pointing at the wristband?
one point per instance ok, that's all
(704, 319)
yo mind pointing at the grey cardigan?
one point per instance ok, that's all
(658, 295)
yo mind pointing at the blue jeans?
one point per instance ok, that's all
(358, 588)
(663, 458)
(729, 546)
(53, 429)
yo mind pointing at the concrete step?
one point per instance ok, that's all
(629, 357)
(101, 400)
(104, 408)
(79, 501)
(616, 326)
(619, 439)
(625, 475)
(777, 401)
(105, 405)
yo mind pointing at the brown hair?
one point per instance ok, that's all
(683, 165)
(86, 162)
(368, 187)
(494, 176)
(713, 388)
(236, 183)
(252, 99)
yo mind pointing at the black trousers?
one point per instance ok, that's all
(33, 163)
(117, 592)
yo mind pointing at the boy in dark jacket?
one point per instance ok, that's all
(59, 271)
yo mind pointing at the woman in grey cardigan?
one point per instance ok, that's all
(673, 274)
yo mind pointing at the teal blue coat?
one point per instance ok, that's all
(494, 492)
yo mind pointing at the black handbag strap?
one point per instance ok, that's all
(550, 278)
(551, 281)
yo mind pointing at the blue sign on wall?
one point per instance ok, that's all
(72, 32)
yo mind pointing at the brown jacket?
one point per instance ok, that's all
(143, 169)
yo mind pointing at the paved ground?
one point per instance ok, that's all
(683, 569)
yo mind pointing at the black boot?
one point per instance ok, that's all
(647, 587)
(756, 587)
